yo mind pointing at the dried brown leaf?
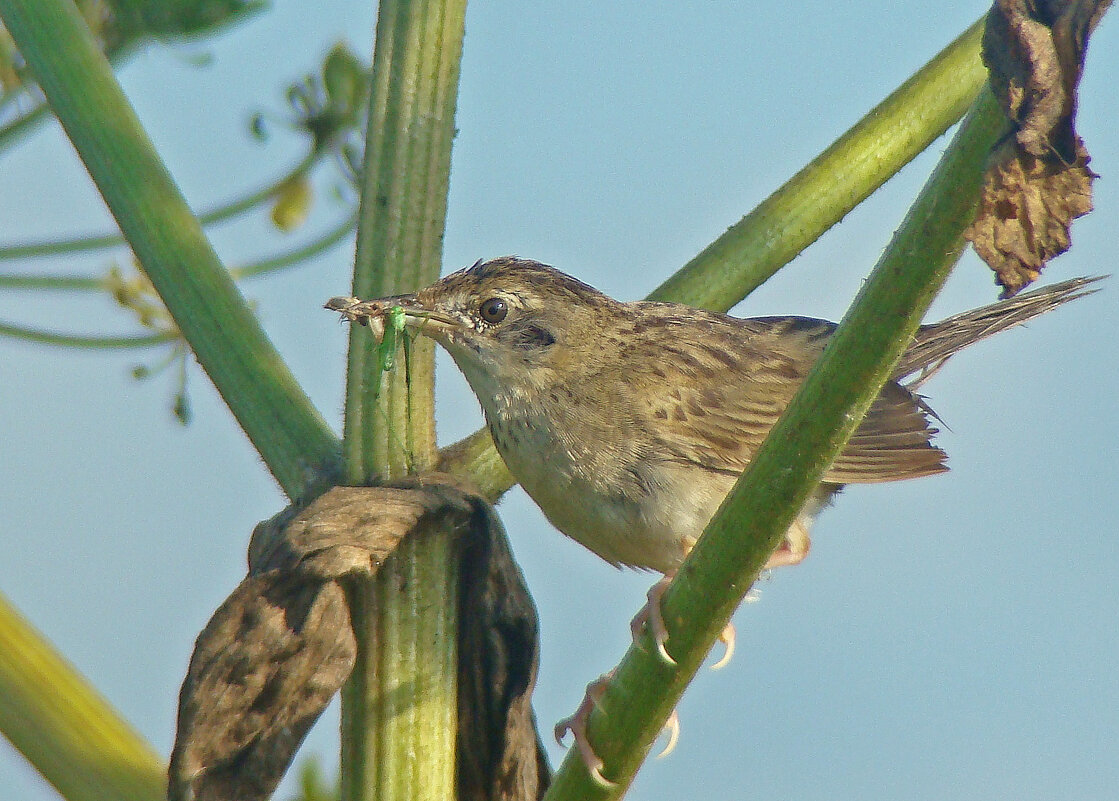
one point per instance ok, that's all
(1025, 213)
(500, 756)
(262, 671)
(1038, 179)
(281, 645)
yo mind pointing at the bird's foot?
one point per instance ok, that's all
(577, 725)
(727, 639)
(650, 616)
(792, 549)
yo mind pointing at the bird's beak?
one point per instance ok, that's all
(417, 315)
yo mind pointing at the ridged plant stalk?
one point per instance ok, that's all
(891, 135)
(817, 424)
(399, 706)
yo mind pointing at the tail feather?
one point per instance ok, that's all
(934, 343)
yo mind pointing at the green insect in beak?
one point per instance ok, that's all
(394, 326)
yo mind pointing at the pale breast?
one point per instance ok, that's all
(645, 515)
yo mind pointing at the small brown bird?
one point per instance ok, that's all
(628, 423)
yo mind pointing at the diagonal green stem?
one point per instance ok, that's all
(765, 501)
(275, 413)
(64, 727)
(834, 182)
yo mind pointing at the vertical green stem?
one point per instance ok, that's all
(398, 709)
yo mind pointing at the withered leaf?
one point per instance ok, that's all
(263, 670)
(1025, 213)
(1037, 179)
(281, 645)
(500, 756)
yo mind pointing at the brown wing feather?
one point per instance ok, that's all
(892, 443)
(730, 397)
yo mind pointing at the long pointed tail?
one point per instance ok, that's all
(934, 343)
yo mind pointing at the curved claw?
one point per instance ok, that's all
(595, 772)
(727, 639)
(672, 726)
(650, 616)
(577, 725)
(564, 726)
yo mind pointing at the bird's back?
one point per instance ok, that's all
(721, 383)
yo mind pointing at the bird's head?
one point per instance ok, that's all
(508, 323)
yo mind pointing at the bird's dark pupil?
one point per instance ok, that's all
(494, 310)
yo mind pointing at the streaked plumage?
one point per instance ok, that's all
(628, 423)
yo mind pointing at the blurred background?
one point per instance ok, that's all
(948, 637)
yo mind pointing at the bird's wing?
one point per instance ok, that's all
(717, 403)
(893, 442)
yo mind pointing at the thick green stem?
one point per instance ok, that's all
(765, 501)
(285, 428)
(25, 121)
(476, 458)
(64, 728)
(398, 708)
(403, 692)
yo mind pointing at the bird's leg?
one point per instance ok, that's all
(793, 548)
(791, 552)
(577, 725)
(650, 616)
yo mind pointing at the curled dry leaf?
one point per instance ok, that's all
(1037, 179)
(1025, 213)
(281, 645)
(262, 671)
(500, 756)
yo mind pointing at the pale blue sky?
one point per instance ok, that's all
(949, 637)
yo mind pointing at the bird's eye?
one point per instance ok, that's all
(494, 310)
